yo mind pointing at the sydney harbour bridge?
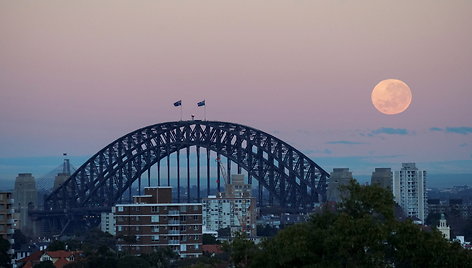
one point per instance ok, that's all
(290, 179)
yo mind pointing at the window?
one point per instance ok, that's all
(195, 227)
(120, 228)
(155, 238)
(155, 209)
(137, 208)
(120, 209)
(195, 217)
(155, 218)
(183, 209)
(155, 229)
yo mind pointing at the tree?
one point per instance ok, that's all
(161, 257)
(4, 257)
(361, 231)
(19, 238)
(132, 261)
(209, 239)
(241, 250)
(266, 230)
(45, 264)
(224, 232)
(56, 245)
(78, 264)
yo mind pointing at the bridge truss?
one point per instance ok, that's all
(291, 179)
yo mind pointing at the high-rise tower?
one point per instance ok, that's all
(26, 197)
(383, 177)
(409, 190)
(339, 177)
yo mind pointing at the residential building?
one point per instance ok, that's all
(59, 258)
(153, 221)
(26, 198)
(6, 218)
(108, 222)
(338, 178)
(235, 208)
(409, 190)
(382, 177)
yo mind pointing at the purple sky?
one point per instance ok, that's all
(75, 75)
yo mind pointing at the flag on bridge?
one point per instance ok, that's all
(201, 103)
(178, 103)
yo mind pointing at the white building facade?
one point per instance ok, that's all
(235, 208)
(108, 222)
(409, 190)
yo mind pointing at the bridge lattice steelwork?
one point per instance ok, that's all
(289, 176)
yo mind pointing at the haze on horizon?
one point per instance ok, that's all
(77, 75)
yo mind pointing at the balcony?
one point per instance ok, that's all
(11, 241)
(11, 211)
(10, 231)
(173, 222)
(174, 213)
(11, 251)
(11, 201)
(10, 221)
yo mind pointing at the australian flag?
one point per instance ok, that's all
(178, 103)
(201, 103)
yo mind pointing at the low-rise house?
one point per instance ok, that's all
(59, 258)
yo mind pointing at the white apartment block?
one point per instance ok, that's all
(108, 222)
(235, 208)
(409, 190)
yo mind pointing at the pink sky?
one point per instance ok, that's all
(75, 75)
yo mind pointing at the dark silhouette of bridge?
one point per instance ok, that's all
(290, 178)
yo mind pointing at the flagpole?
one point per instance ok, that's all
(181, 112)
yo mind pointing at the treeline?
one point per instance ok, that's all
(359, 232)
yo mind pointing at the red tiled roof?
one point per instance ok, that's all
(33, 257)
(59, 253)
(212, 248)
(61, 262)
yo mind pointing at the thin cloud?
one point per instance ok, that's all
(456, 130)
(459, 130)
(345, 142)
(390, 131)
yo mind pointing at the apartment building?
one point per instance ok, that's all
(153, 221)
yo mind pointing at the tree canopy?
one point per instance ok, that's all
(361, 231)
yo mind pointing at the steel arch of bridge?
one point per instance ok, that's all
(290, 177)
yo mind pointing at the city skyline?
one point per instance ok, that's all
(77, 76)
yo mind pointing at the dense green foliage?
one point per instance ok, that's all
(208, 239)
(56, 245)
(4, 258)
(359, 232)
(45, 264)
(20, 239)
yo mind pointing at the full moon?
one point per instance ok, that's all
(391, 96)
